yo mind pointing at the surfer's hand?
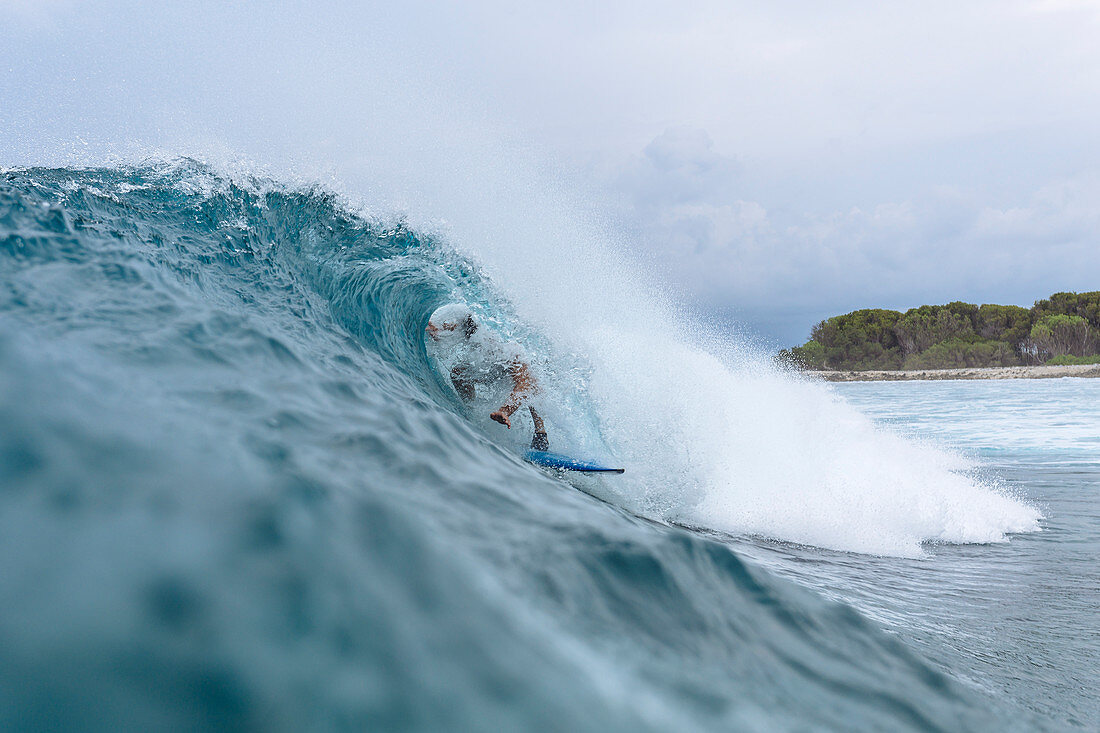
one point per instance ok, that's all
(502, 417)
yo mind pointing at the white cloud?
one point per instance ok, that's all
(33, 15)
(1062, 6)
(948, 242)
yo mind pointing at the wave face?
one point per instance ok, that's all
(236, 493)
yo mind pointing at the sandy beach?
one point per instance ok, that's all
(1014, 372)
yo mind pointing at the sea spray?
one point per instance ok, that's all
(713, 435)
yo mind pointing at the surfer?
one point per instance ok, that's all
(484, 358)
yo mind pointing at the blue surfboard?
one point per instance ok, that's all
(565, 463)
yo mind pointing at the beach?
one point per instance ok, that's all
(1012, 372)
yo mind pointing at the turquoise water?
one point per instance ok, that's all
(1020, 619)
(236, 492)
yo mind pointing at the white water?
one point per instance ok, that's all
(753, 451)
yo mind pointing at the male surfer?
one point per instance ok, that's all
(486, 359)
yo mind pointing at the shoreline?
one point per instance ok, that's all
(1012, 372)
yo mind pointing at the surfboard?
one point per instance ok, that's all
(562, 462)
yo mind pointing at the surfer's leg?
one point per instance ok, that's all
(539, 441)
(460, 378)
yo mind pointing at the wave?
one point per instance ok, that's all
(235, 482)
(726, 444)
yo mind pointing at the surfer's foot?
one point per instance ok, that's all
(540, 441)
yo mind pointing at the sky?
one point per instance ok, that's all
(771, 163)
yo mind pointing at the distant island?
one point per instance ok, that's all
(1062, 330)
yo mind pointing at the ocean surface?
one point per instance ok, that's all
(238, 492)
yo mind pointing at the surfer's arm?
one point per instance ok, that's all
(524, 385)
(433, 330)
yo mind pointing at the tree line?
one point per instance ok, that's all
(1063, 329)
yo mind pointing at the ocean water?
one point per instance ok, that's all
(1019, 620)
(237, 492)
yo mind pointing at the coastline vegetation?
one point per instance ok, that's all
(1062, 329)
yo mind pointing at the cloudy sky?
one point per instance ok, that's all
(775, 163)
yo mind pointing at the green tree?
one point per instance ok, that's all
(862, 339)
(1009, 323)
(811, 355)
(1061, 335)
(1085, 305)
(922, 327)
(957, 353)
(957, 334)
